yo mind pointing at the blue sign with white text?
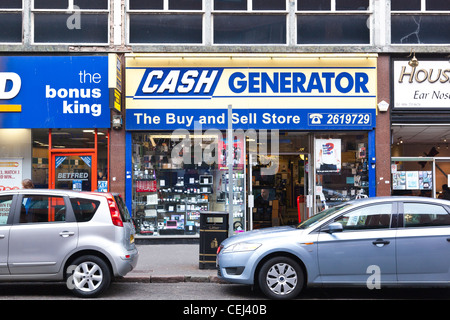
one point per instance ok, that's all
(282, 119)
(54, 92)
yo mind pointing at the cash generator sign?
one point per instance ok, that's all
(171, 97)
(54, 92)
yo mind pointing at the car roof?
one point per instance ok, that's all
(400, 198)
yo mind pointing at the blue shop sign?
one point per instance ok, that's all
(54, 92)
(283, 119)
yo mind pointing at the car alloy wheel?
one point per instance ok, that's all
(281, 278)
(90, 276)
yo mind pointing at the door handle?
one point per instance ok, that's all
(2, 236)
(448, 239)
(380, 242)
(66, 234)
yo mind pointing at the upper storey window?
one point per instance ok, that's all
(71, 21)
(333, 22)
(11, 21)
(420, 21)
(165, 21)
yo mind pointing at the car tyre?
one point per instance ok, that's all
(281, 278)
(88, 276)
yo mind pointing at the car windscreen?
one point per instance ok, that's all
(321, 216)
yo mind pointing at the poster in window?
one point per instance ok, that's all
(238, 154)
(328, 156)
(10, 173)
(412, 180)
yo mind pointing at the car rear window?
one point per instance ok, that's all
(84, 209)
(124, 213)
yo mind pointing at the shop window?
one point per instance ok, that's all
(40, 161)
(82, 21)
(177, 177)
(420, 22)
(341, 166)
(249, 29)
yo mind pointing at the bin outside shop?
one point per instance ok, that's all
(213, 230)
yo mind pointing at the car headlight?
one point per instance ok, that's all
(242, 246)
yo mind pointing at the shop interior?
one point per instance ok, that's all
(420, 163)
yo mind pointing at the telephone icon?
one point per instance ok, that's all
(315, 118)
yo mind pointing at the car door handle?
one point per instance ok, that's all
(66, 234)
(380, 242)
(2, 236)
(448, 239)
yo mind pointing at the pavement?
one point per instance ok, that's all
(170, 263)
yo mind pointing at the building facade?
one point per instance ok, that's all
(325, 99)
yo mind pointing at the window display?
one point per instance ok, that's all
(176, 178)
(342, 171)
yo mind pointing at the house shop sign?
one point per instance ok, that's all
(426, 86)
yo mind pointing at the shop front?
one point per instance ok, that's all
(269, 139)
(54, 122)
(420, 163)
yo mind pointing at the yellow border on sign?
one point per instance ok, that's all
(10, 108)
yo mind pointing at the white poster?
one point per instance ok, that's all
(412, 180)
(10, 173)
(328, 155)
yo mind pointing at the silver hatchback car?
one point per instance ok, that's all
(83, 238)
(370, 242)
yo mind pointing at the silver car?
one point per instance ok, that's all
(370, 242)
(83, 238)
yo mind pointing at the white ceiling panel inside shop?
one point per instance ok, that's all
(421, 134)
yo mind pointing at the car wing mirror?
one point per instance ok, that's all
(334, 227)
